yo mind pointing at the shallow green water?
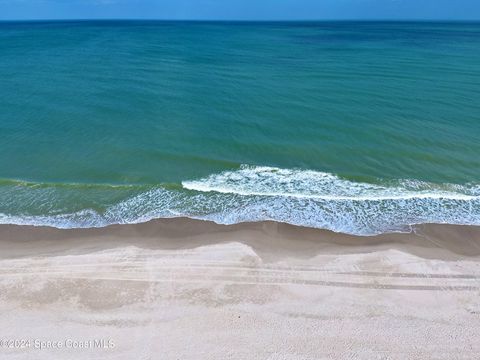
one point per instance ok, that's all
(101, 122)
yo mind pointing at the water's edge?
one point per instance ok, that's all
(250, 194)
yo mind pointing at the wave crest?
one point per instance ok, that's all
(270, 181)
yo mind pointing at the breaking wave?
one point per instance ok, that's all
(299, 197)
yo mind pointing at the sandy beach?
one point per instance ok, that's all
(186, 289)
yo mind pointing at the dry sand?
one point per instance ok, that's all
(186, 289)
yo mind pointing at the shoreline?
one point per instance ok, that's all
(445, 240)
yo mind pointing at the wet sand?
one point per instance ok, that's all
(186, 289)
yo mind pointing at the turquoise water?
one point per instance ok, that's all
(359, 127)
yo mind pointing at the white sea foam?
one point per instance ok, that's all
(308, 184)
(306, 198)
(82, 219)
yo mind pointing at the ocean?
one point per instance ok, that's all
(356, 127)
